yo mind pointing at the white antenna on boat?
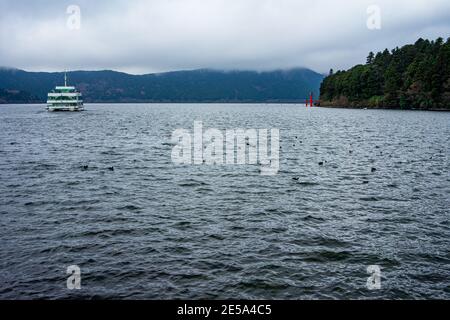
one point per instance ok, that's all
(65, 78)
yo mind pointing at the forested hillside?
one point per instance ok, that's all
(412, 77)
(17, 96)
(180, 86)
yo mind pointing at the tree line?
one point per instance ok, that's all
(412, 77)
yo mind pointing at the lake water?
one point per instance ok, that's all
(152, 229)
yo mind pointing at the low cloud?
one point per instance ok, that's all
(141, 36)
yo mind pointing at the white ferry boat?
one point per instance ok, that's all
(65, 98)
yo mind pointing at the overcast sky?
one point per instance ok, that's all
(143, 36)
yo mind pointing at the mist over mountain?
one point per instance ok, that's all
(180, 86)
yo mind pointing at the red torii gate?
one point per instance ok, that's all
(310, 101)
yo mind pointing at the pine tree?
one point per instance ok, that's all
(370, 57)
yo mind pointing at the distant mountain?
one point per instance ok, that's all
(181, 86)
(17, 96)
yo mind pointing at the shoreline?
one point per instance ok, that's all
(249, 103)
(379, 108)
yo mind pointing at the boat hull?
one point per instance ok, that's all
(52, 108)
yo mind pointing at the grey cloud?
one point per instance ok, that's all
(159, 35)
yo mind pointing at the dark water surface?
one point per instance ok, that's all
(151, 229)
